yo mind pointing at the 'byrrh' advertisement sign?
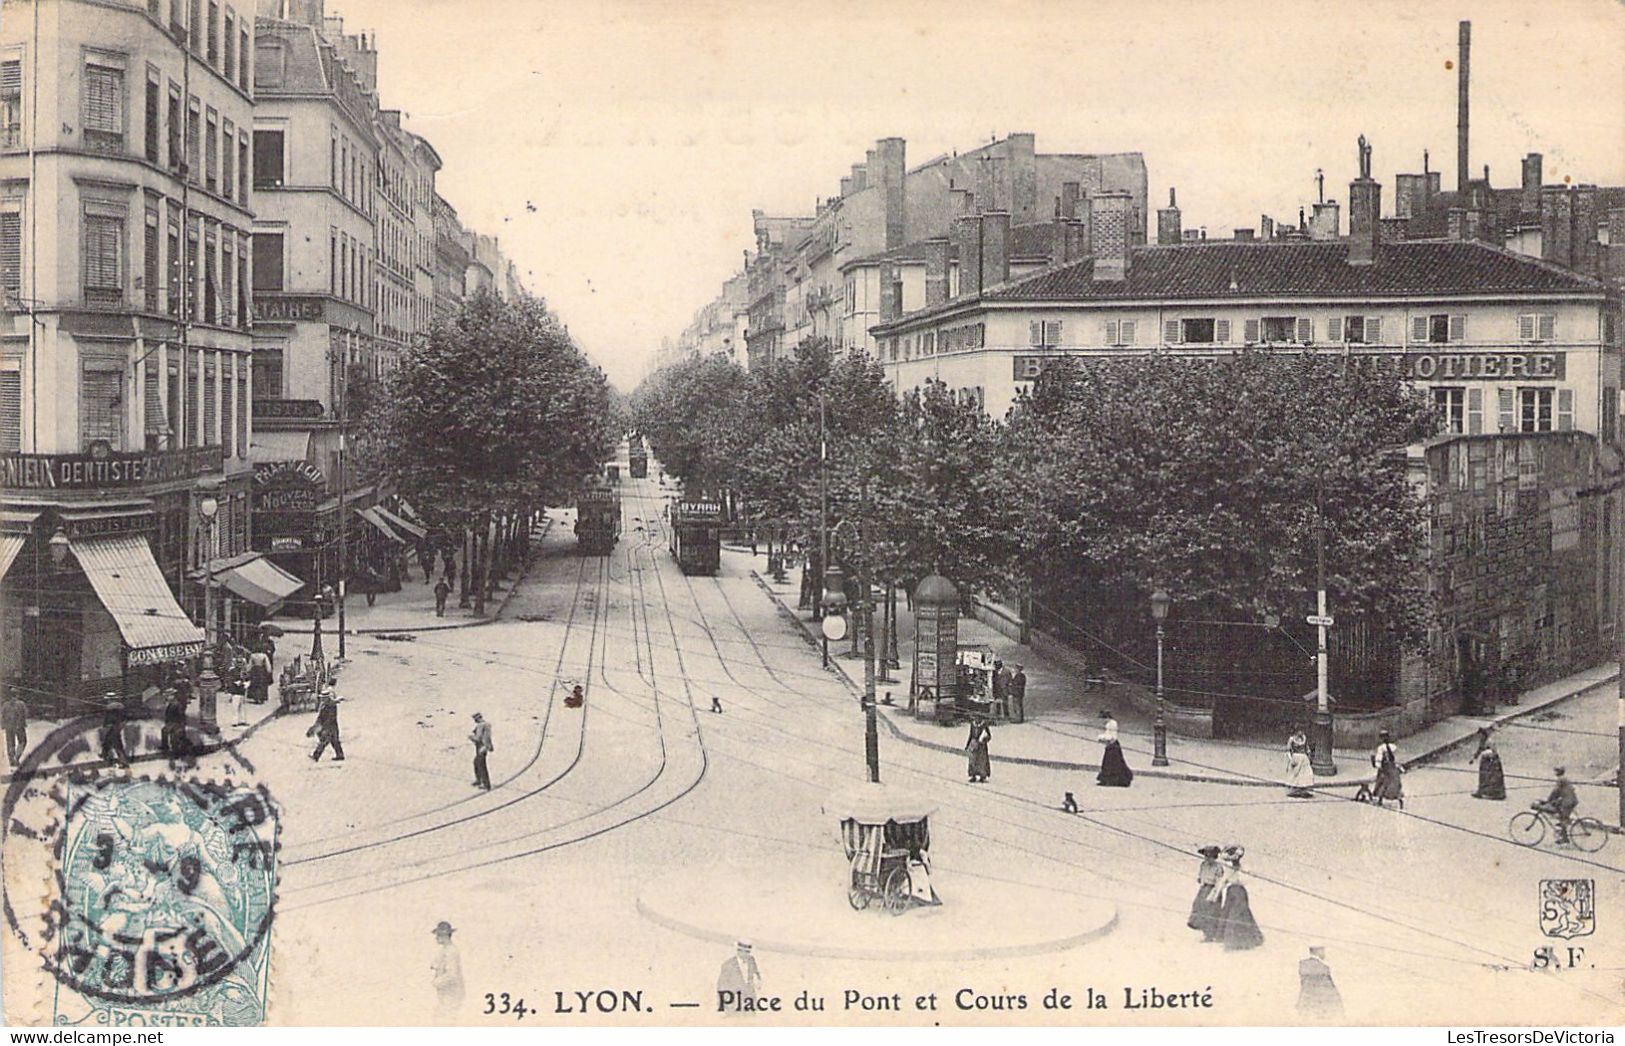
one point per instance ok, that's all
(105, 470)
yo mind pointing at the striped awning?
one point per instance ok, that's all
(253, 577)
(401, 524)
(130, 586)
(371, 516)
(10, 545)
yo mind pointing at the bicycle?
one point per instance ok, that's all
(1529, 828)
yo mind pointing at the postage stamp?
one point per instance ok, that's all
(152, 897)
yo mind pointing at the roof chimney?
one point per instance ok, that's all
(1531, 182)
(1365, 211)
(967, 235)
(936, 271)
(891, 292)
(995, 248)
(1111, 235)
(1069, 199)
(1464, 48)
(1168, 231)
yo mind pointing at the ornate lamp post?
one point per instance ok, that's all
(208, 683)
(1160, 601)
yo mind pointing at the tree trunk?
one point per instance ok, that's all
(481, 551)
(464, 585)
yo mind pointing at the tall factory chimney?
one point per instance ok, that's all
(1465, 48)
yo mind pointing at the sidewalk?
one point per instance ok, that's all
(412, 608)
(1063, 713)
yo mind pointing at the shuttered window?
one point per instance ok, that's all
(11, 253)
(228, 267)
(1373, 330)
(1334, 329)
(1475, 411)
(150, 266)
(104, 108)
(228, 401)
(1419, 328)
(1565, 410)
(173, 399)
(1306, 330)
(1458, 328)
(151, 132)
(157, 422)
(174, 126)
(1507, 411)
(1221, 331)
(189, 404)
(228, 176)
(194, 149)
(211, 155)
(1052, 332)
(1170, 332)
(11, 410)
(177, 285)
(1127, 332)
(211, 288)
(1035, 333)
(1250, 332)
(11, 104)
(211, 404)
(104, 239)
(101, 407)
(242, 408)
(244, 314)
(1537, 326)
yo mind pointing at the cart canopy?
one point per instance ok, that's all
(872, 803)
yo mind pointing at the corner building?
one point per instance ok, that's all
(125, 217)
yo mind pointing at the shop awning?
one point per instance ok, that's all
(133, 591)
(10, 545)
(252, 577)
(280, 446)
(371, 516)
(401, 524)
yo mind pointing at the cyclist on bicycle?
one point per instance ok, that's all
(1561, 803)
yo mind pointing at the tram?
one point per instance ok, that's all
(598, 519)
(637, 458)
(696, 535)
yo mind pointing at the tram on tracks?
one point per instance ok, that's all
(696, 535)
(637, 458)
(598, 519)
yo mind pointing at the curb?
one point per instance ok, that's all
(495, 617)
(835, 667)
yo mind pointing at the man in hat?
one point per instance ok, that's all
(446, 974)
(442, 592)
(1561, 802)
(1318, 997)
(738, 980)
(14, 716)
(481, 736)
(326, 727)
(112, 733)
(1018, 695)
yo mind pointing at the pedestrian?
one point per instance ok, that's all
(739, 979)
(1561, 802)
(1298, 774)
(1018, 695)
(1237, 927)
(14, 716)
(1492, 782)
(442, 590)
(326, 727)
(112, 733)
(1205, 906)
(481, 736)
(753, 542)
(1114, 771)
(1001, 688)
(259, 676)
(980, 765)
(426, 559)
(577, 697)
(1318, 997)
(446, 974)
(1387, 785)
(172, 740)
(239, 692)
(716, 704)
(450, 559)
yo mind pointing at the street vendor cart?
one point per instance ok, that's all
(302, 681)
(887, 838)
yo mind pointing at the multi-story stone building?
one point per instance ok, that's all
(317, 138)
(125, 417)
(450, 258)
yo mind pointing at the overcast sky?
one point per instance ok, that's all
(644, 133)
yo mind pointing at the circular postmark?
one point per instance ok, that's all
(151, 893)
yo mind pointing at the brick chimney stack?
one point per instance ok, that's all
(1168, 230)
(1464, 48)
(995, 248)
(1069, 199)
(891, 293)
(1531, 183)
(1112, 215)
(936, 270)
(1365, 211)
(967, 236)
(889, 177)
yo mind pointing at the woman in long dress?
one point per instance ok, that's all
(1387, 785)
(1492, 782)
(980, 765)
(1205, 906)
(1299, 777)
(1237, 927)
(1114, 771)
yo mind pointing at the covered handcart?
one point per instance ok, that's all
(887, 837)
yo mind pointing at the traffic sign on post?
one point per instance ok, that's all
(1324, 621)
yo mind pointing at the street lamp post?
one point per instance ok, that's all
(208, 683)
(1160, 601)
(1321, 761)
(823, 513)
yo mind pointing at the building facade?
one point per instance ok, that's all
(125, 407)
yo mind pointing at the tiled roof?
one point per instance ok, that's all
(1249, 270)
